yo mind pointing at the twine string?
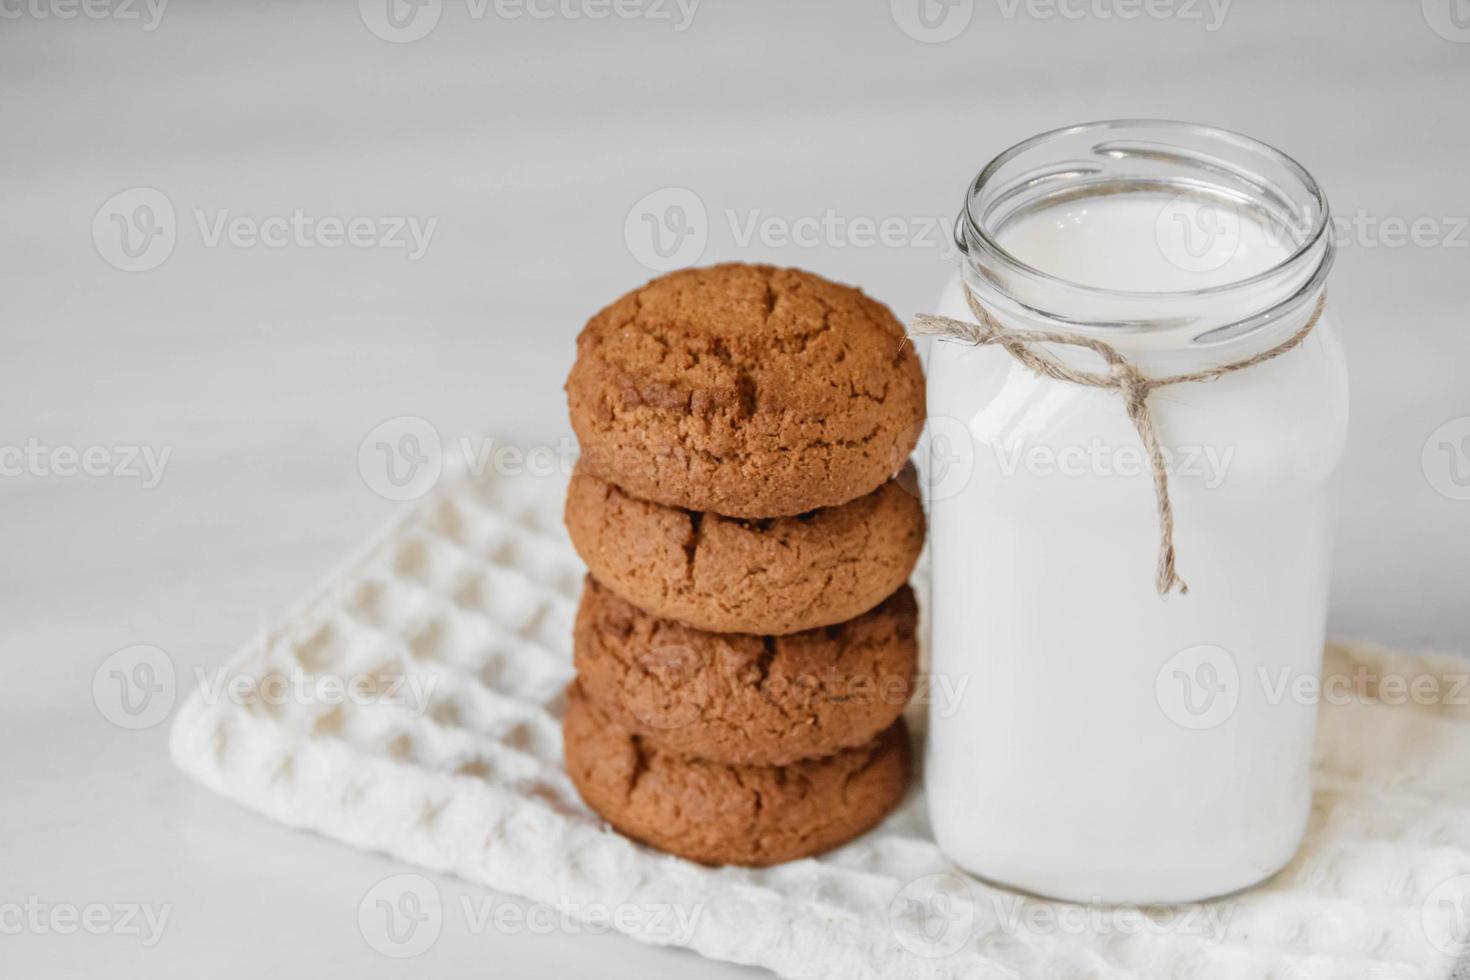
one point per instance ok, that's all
(1027, 347)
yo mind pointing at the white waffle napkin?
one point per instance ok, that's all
(465, 609)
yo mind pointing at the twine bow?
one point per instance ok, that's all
(1122, 374)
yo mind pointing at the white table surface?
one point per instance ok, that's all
(530, 140)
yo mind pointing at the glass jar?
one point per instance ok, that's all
(1107, 743)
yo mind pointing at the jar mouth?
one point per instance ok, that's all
(1149, 156)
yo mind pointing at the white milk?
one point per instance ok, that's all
(1111, 745)
(1139, 242)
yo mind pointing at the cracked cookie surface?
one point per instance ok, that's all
(745, 390)
(723, 814)
(744, 699)
(733, 575)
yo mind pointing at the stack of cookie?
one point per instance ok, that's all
(746, 640)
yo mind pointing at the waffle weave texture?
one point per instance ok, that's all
(473, 594)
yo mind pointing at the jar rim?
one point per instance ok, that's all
(1314, 243)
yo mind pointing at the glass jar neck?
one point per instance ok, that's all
(1178, 244)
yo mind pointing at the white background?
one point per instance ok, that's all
(262, 369)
